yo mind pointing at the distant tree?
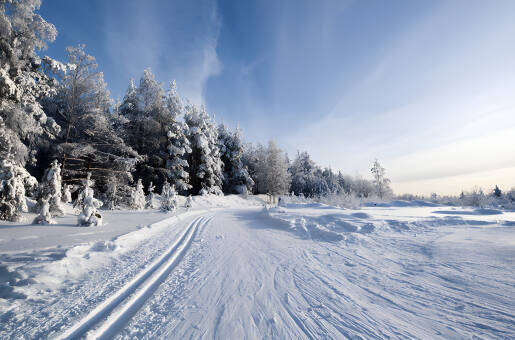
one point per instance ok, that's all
(381, 182)
(307, 178)
(277, 176)
(254, 160)
(497, 192)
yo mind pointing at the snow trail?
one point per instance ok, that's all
(144, 284)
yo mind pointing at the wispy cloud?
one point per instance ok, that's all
(178, 40)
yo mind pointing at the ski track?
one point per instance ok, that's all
(136, 291)
(245, 279)
(242, 276)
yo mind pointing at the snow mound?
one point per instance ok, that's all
(483, 211)
(317, 222)
(400, 204)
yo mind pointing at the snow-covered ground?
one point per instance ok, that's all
(231, 269)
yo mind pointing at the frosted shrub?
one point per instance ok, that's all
(138, 201)
(13, 180)
(189, 202)
(150, 196)
(66, 196)
(169, 198)
(89, 215)
(44, 216)
(50, 187)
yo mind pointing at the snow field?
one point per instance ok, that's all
(303, 271)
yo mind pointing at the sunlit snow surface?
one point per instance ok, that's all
(398, 270)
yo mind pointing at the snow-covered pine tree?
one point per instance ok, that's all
(89, 215)
(189, 202)
(168, 198)
(66, 196)
(277, 176)
(138, 197)
(50, 188)
(150, 196)
(381, 183)
(254, 159)
(205, 165)
(236, 178)
(111, 192)
(89, 142)
(147, 128)
(13, 181)
(85, 191)
(304, 178)
(44, 216)
(178, 146)
(22, 86)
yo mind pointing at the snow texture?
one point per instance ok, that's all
(232, 268)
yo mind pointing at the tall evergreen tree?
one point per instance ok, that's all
(236, 178)
(277, 176)
(23, 84)
(89, 142)
(178, 144)
(205, 164)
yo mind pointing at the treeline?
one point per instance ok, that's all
(57, 119)
(476, 197)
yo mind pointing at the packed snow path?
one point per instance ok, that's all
(300, 272)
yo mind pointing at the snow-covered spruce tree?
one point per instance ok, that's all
(138, 201)
(254, 159)
(151, 196)
(149, 121)
(89, 215)
(85, 191)
(111, 191)
(50, 188)
(89, 142)
(236, 178)
(205, 165)
(306, 177)
(44, 216)
(168, 198)
(13, 180)
(22, 85)
(277, 176)
(178, 146)
(381, 183)
(189, 202)
(66, 196)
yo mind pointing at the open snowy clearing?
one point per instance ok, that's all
(231, 269)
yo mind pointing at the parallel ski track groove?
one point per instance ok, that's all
(136, 292)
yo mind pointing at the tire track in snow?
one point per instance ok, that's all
(138, 290)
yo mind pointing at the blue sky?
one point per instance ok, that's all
(428, 87)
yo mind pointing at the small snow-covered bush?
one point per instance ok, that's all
(138, 200)
(168, 198)
(89, 215)
(13, 180)
(189, 202)
(44, 216)
(66, 196)
(151, 196)
(50, 187)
